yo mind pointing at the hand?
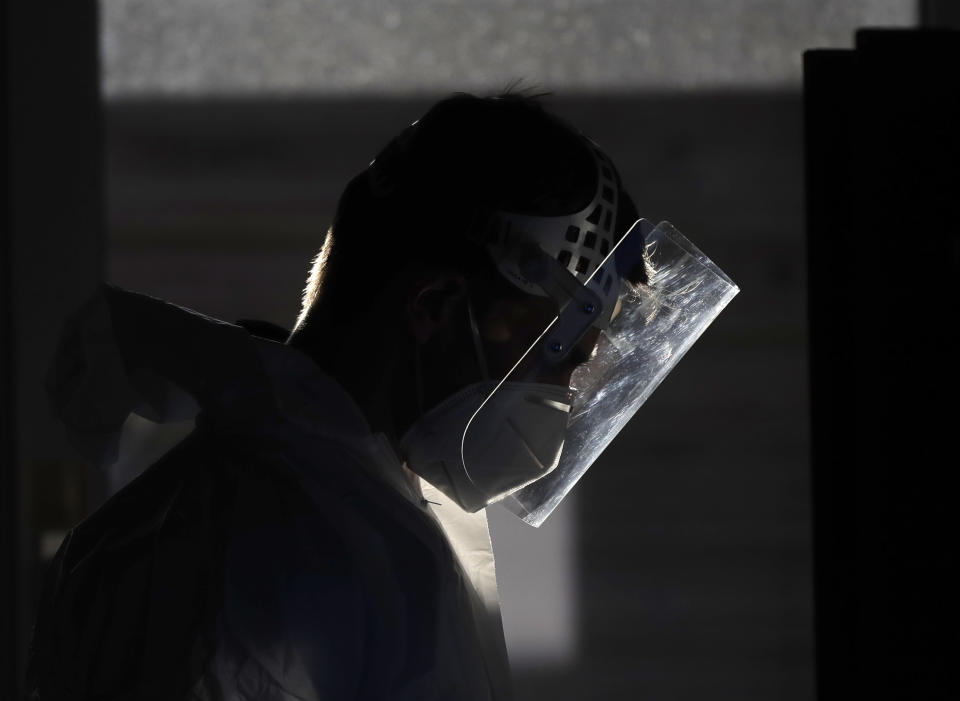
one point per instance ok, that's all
(87, 384)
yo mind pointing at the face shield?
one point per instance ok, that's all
(587, 372)
(599, 321)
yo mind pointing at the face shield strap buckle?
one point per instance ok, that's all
(579, 307)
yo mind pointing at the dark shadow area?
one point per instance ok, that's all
(50, 255)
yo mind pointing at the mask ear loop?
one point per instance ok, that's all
(418, 380)
(477, 342)
(477, 349)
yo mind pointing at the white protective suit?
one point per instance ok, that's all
(280, 552)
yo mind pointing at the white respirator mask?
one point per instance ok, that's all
(514, 441)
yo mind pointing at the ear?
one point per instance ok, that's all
(432, 303)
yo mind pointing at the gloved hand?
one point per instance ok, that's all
(87, 383)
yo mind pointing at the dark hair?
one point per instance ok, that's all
(417, 201)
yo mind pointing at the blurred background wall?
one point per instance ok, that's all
(682, 567)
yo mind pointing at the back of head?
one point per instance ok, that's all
(418, 200)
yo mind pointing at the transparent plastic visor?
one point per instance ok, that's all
(589, 369)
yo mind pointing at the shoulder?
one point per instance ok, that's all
(340, 572)
(129, 590)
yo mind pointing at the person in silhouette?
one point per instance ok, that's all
(322, 532)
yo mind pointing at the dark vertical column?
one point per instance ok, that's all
(828, 115)
(52, 257)
(9, 484)
(940, 14)
(883, 225)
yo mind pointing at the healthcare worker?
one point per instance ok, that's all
(486, 312)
